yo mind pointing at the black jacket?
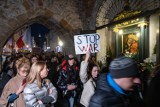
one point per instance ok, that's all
(106, 96)
(68, 75)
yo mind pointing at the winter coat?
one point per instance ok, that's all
(88, 85)
(106, 96)
(10, 88)
(32, 93)
(68, 75)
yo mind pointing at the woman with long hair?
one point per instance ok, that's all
(39, 91)
(88, 75)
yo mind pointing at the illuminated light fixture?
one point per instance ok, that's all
(27, 46)
(138, 34)
(48, 47)
(142, 24)
(157, 31)
(60, 43)
(120, 32)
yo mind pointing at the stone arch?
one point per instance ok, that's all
(110, 8)
(60, 16)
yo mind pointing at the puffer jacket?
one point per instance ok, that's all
(107, 96)
(32, 93)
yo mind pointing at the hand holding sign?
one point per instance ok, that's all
(87, 42)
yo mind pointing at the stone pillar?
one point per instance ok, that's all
(104, 35)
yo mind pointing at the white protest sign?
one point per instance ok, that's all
(86, 42)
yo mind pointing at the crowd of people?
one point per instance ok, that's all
(55, 80)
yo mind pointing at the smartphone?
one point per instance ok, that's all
(24, 81)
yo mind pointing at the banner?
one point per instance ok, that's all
(20, 42)
(87, 42)
(25, 40)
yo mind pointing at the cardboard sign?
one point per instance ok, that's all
(86, 42)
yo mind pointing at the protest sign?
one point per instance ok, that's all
(87, 42)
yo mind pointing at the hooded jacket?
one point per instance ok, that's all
(108, 96)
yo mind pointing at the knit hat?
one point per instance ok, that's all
(123, 67)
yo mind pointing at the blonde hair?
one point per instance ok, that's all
(21, 62)
(34, 73)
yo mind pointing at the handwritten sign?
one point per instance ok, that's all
(86, 42)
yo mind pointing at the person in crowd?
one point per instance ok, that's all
(6, 75)
(93, 61)
(60, 57)
(153, 91)
(68, 79)
(6, 63)
(52, 65)
(28, 55)
(88, 79)
(114, 88)
(34, 59)
(39, 91)
(4, 78)
(12, 95)
(9, 69)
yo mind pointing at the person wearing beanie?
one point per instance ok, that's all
(113, 88)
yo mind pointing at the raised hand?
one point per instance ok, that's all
(88, 54)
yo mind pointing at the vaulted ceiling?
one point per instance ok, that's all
(65, 17)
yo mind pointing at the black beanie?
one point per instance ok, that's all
(123, 67)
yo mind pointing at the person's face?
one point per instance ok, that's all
(24, 70)
(29, 56)
(93, 59)
(128, 83)
(34, 59)
(71, 62)
(11, 65)
(95, 72)
(17, 63)
(44, 72)
(54, 59)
